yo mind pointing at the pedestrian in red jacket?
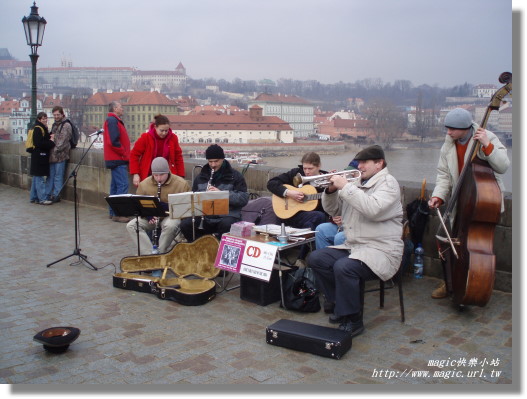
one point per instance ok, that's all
(159, 141)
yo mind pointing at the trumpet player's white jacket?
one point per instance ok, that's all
(372, 217)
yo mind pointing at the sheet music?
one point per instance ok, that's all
(184, 205)
(275, 229)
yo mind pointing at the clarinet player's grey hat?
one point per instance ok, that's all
(160, 166)
(458, 118)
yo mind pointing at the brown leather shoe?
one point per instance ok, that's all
(440, 292)
(121, 219)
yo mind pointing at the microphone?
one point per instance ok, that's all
(96, 133)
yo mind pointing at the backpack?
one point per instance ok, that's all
(74, 140)
(260, 211)
(30, 146)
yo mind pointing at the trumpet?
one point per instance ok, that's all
(323, 181)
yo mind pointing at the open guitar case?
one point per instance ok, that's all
(191, 263)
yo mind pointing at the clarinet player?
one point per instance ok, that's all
(159, 184)
(217, 175)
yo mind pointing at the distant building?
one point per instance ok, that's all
(296, 111)
(484, 90)
(16, 70)
(360, 130)
(236, 127)
(139, 109)
(162, 80)
(103, 78)
(505, 120)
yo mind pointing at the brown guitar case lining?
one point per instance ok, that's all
(193, 265)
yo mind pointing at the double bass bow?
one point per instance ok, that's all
(469, 260)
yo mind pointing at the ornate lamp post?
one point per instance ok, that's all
(34, 26)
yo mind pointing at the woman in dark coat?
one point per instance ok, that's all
(39, 169)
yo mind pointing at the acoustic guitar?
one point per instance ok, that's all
(287, 207)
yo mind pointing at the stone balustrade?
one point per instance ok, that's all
(93, 182)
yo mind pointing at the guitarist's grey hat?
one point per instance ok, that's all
(373, 152)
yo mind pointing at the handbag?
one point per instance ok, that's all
(300, 293)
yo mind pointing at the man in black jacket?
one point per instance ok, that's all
(303, 219)
(225, 178)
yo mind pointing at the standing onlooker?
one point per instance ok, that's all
(116, 153)
(159, 141)
(39, 169)
(59, 154)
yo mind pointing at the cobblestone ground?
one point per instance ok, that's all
(135, 338)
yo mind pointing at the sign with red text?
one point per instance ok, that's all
(247, 257)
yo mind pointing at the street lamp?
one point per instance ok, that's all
(34, 26)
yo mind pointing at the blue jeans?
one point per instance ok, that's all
(327, 234)
(119, 183)
(38, 189)
(55, 179)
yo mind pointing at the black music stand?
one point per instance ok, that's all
(136, 206)
(77, 250)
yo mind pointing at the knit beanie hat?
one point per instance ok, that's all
(214, 152)
(458, 118)
(160, 166)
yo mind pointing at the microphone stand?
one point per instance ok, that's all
(76, 250)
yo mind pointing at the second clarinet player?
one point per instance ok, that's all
(161, 183)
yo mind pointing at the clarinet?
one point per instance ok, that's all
(209, 184)
(155, 238)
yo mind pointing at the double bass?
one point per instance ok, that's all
(468, 257)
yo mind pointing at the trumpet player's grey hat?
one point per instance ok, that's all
(458, 118)
(373, 152)
(160, 166)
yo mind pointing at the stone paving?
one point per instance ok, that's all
(135, 338)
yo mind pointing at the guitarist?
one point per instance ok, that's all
(310, 166)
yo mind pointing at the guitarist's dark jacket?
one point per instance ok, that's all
(276, 184)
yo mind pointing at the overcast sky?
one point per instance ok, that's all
(444, 43)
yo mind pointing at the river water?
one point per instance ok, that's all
(412, 164)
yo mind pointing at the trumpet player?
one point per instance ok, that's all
(372, 216)
(217, 175)
(170, 184)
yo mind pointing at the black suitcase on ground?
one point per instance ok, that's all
(305, 337)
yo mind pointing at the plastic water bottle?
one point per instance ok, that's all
(418, 261)
(155, 250)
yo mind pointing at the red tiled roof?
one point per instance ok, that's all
(128, 98)
(14, 63)
(238, 121)
(7, 106)
(278, 98)
(87, 68)
(148, 73)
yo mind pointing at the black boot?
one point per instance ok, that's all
(329, 307)
(352, 324)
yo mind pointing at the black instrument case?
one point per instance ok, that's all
(311, 338)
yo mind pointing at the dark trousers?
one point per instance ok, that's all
(306, 220)
(210, 226)
(340, 278)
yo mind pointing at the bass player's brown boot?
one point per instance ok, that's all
(440, 292)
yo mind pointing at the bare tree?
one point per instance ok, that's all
(388, 122)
